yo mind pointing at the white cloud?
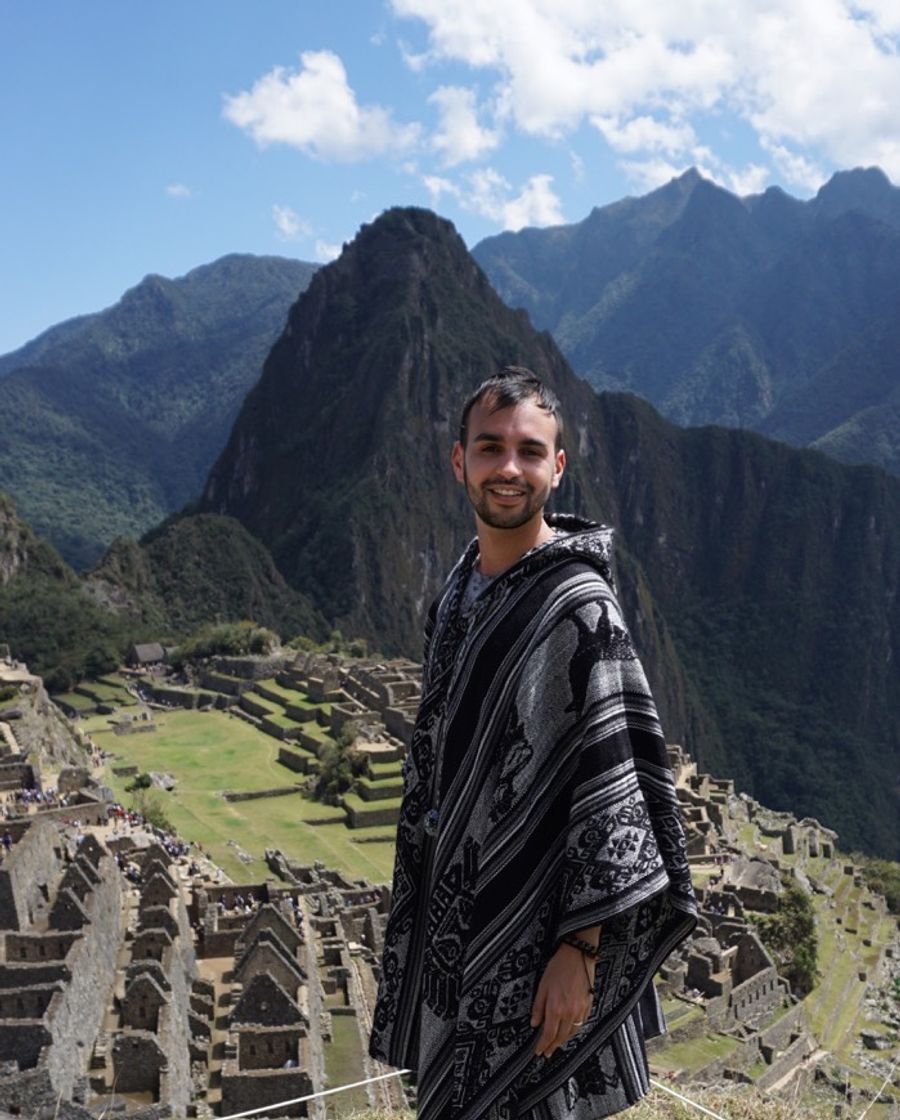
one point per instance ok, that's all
(178, 190)
(578, 170)
(459, 136)
(437, 186)
(537, 205)
(488, 193)
(797, 170)
(315, 109)
(643, 133)
(817, 80)
(325, 251)
(648, 174)
(751, 179)
(290, 224)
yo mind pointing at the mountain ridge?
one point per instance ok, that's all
(133, 403)
(719, 309)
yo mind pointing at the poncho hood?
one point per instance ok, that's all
(576, 538)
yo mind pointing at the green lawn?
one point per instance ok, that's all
(343, 1066)
(209, 752)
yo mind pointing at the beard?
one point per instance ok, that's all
(500, 517)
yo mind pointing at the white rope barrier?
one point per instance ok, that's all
(686, 1100)
(884, 1085)
(313, 1096)
(400, 1072)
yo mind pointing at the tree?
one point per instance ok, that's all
(340, 766)
(148, 802)
(790, 936)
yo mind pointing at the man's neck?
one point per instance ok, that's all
(499, 549)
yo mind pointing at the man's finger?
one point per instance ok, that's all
(545, 1044)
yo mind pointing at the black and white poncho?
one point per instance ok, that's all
(538, 801)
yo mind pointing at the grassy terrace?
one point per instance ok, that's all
(107, 693)
(209, 752)
(696, 1053)
(287, 695)
(77, 701)
(261, 702)
(363, 807)
(286, 722)
(384, 769)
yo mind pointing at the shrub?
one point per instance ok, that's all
(790, 936)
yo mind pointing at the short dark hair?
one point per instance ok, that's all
(511, 386)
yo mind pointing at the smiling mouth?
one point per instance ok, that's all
(504, 492)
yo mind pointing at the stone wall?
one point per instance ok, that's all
(27, 872)
(23, 1041)
(138, 1060)
(794, 1056)
(17, 774)
(268, 1047)
(256, 794)
(36, 948)
(755, 999)
(293, 760)
(78, 1015)
(243, 1090)
(371, 817)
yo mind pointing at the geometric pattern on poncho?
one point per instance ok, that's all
(538, 748)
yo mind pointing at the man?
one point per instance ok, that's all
(540, 875)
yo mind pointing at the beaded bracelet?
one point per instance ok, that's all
(582, 946)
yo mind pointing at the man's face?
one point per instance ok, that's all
(509, 464)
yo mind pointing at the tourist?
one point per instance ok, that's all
(540, 874)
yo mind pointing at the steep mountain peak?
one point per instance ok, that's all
(866, 189)
(356, 411)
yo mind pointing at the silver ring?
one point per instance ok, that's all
(580, 1023)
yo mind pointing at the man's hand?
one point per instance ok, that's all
(564, 999)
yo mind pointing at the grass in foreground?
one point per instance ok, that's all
(738, 1103)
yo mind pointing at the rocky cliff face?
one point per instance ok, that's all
(769, 573)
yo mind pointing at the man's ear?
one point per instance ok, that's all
(457, 457)
(559, 466)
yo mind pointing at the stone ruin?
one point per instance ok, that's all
(300, 953)
(725, 970)
(137, 982)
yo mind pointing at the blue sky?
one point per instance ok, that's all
(143, 136)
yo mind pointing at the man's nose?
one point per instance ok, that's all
(509, 465)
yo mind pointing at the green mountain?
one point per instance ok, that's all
(196, 570)
(184, 574)
(111, 421)
(762, 312)
(761, 579)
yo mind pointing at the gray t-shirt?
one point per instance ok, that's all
(476, 584)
